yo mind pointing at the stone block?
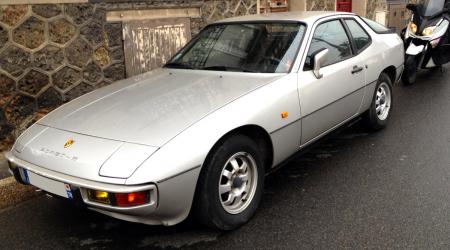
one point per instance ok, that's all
(99, 15)
(30, 33)
(3, 36)
(15, 60)
(92, 73)
(115, 72)
(93, 32)
(7, 89)
(49, 99)
(66, 77)
(12, 14)
(101, 57)
(19, 109)
(241, 10)
(33, 82)
(78, 90)
(49, 58)
(5, 130)
(113, 34)
(2, 118)
(47, 10)
(80, 13)
(61, 31)
(79, 52)
(117, 54)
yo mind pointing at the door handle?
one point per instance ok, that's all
(357, 69)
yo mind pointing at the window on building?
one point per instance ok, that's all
(332, 36)
(361, 38)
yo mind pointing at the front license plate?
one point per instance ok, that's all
(49, 185)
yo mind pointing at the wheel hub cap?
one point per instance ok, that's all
(237, 182)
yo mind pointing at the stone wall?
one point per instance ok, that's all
(322, 5)
(51, 54)
(375, 5)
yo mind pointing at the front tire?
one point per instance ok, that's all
(230, 185)
(409, 76)
(379, 113)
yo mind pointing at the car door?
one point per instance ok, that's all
(337, 96)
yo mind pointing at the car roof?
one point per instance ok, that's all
(308, 17)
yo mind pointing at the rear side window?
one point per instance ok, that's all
(332, 36)
(361, 38)
(378, 28)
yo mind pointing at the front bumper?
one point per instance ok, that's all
(80, 186)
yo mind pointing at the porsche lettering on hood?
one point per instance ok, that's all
(161, 103)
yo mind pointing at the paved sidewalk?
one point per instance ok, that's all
(11, 192)
(3, 167)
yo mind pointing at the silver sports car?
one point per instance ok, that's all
(200, 133)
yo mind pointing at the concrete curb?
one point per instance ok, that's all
(12, 192)
(4, 173)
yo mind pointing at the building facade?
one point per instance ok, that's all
(52, 51)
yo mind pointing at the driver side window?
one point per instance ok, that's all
(332, 36)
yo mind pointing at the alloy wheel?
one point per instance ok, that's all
(238, 182)
(383, 101)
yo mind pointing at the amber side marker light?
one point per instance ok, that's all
(119, 199)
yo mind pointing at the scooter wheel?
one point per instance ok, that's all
(410, 73)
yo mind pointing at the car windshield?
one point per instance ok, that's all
(431, 7)
(242, 47)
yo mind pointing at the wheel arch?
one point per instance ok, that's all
(259, 135)
(391, 71)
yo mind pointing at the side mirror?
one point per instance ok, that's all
(319, 59)
(412, 7)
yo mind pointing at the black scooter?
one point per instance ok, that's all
(426, 38)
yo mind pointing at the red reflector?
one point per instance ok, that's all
(132, 199)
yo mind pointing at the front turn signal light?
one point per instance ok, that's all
(99, 196)
(119, 199)
(412, 27)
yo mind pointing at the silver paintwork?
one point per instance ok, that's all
(319, 60)
(155, 130)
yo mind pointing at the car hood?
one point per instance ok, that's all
(152, 108)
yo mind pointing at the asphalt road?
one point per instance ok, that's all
(389, 189)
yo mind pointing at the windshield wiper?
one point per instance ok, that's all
(227, 68)
(177, 65)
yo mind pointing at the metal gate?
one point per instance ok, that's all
(150, 43)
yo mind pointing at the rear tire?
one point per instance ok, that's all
(379, 113)
(230, 185)
(409, 76)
